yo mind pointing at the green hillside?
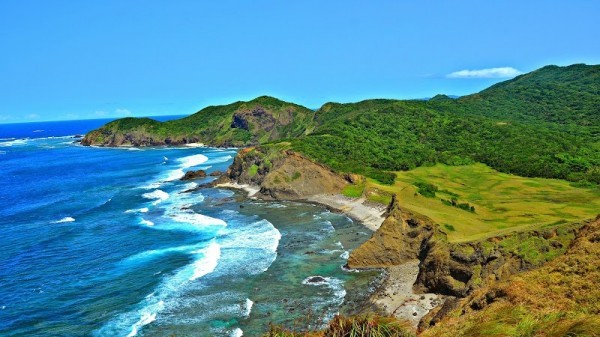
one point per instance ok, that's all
(561, 95)
(238, 124)
(541, 124)
(383, 135)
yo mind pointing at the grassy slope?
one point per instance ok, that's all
(502, 202)
(559, 299)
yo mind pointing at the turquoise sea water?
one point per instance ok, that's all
(109, 242)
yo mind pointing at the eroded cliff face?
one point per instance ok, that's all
(456, 269)
(399, 239)
(282, 174)
(563, 291)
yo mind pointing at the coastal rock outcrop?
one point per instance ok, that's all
(191, 175)
(282, 174)
(559, 290)
(399, 239)
(456, 269)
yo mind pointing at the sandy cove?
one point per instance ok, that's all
(395, 295)
(370, 216)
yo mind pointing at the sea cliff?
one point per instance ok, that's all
(406, 242)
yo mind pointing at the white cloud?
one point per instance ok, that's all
(123, 112)
(502, 72)
(33, 116)
(116, 113)
(5, 117)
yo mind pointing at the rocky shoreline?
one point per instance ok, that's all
(421, 268)
(390, 294)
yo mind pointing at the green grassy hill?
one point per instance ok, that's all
(502, 203)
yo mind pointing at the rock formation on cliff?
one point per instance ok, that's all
(282, 174)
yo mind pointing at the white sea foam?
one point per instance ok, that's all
(190, 185)
(207, 265)
(195, 145)
(141, 210)
(158, 195)
(328, 226)
(345, 255)
(252, 248)
(275, 205)
(218, 160)
(151, 186)
(165, 296)
(237, 333)
(147, 316)
(146, 223)
(156, 253)
(334, 284)
(15, 142)
(197, 220)
(178, 172)
(248, 307)
(258, 235)
(65, 219)
(174, 175)
(193, 160)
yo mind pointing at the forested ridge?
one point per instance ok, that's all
(545, 123)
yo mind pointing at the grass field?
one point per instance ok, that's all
(502, 202)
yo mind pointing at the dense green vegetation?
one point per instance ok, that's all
(566, 96)
(383, 135)
(542, 124)
(426, 189)
(260, 120)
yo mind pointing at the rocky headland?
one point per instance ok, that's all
(423, 270)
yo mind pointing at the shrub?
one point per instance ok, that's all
(426, 189)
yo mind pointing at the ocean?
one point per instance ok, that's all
(109, 242)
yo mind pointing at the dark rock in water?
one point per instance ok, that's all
(199, 187)
(78, 136)
(216, 174)
(191, 175)
(315, 279)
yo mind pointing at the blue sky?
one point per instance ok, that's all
(97, 59)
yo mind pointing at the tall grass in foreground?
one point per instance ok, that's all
(357, 326)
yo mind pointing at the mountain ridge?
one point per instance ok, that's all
(540, 124)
